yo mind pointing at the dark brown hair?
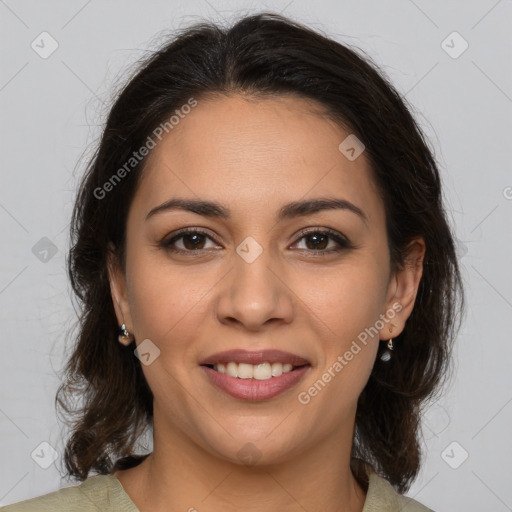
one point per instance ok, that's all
(261, 55)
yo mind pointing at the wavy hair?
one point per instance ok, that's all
(262, 55)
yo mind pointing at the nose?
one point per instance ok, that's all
(254, 294)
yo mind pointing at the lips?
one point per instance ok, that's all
(254, 357)
(253, 389)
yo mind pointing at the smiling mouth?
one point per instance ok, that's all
(261, 371)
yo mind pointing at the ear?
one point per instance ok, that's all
(403, 288)
(118, 289)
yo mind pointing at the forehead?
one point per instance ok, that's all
(254, 155)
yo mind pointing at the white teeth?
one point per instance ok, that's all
(245, 371)
(277, 369)
(262, 371)
(232, 369)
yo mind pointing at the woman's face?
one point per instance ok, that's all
(252, 280)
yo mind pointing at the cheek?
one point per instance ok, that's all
(345, 319)
(345, 302)
(165, 301)
(346, 307)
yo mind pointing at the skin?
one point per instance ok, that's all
(254, 156)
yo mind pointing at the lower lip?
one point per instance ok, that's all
(252, 389)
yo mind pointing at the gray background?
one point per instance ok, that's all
(52, 110)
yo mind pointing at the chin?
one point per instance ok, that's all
(252, 451)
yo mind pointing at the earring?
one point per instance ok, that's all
(386, 355)
(124, 336)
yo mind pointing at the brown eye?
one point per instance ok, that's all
(191, 240)
(317, 241)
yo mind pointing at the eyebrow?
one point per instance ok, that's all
(288, 211)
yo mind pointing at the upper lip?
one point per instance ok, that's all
(255, 357)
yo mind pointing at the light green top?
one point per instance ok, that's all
(106, 494)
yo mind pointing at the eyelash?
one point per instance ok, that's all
(343, 242)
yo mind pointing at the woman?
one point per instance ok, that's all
(263, 220)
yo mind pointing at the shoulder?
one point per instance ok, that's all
(100, 492)
(382, 497)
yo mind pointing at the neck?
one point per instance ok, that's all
(181, 475)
